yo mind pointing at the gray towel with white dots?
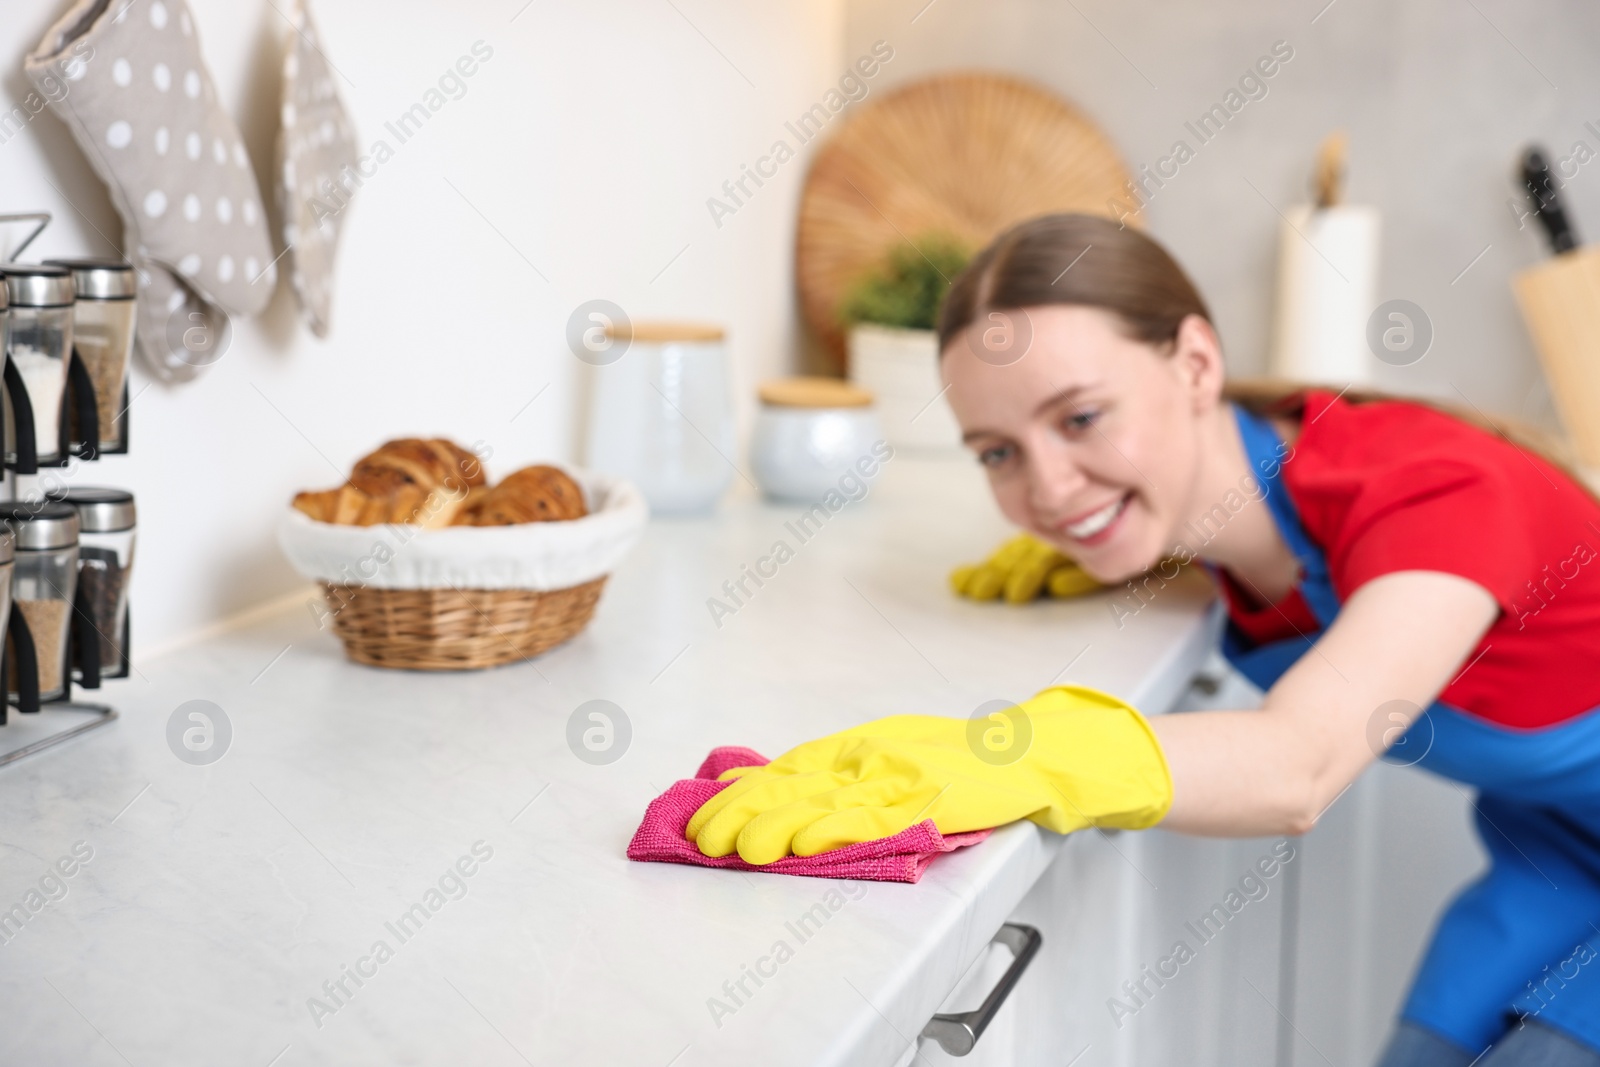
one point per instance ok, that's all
(317, 164)
(143, 110)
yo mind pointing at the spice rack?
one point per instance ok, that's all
(98, 575)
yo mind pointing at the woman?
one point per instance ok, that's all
(1377, 557)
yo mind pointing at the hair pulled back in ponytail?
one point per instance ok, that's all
(1092, 261)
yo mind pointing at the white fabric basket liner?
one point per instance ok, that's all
(534, 555)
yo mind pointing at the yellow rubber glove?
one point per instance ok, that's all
(1020, 570)
(1066, 758)
(1070, 580)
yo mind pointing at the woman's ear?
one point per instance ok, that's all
(1197, 360)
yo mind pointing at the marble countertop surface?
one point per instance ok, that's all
(158, 911)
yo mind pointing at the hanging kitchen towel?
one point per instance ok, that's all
(144, 111)
(901, 858)
(186, 332)
(316, 159)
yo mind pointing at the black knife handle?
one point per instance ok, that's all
(1546, 203)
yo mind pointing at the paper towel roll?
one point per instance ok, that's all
(1327, 288)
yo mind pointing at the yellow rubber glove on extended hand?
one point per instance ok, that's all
(1020, 570)
(1066, 758)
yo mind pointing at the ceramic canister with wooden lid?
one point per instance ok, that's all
(810, 433)
(661, 412)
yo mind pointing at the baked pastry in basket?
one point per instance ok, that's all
(469, 596)
(410, 480)
(532, 494)
(434, 483)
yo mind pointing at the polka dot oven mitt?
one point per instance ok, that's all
(144, 111)
(316, 143)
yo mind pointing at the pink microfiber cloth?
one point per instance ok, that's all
(901, 858)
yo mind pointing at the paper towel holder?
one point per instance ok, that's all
(1327, 181)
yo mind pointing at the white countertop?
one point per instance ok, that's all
(218, 899)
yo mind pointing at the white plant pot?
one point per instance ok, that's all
(901, 369)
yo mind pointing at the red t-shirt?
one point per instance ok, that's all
(1395, 486)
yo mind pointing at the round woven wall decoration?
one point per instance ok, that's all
(959, 155)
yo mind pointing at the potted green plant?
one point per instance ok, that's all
(893, 351)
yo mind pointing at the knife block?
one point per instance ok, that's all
(1560, 304)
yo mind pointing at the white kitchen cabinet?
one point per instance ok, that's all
(1208, 903)
(1111, 909)
(1309, 971)
(1380, 866)
(1210, 912)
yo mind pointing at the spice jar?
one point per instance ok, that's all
(7, 556)
(106, 522)
(102, 332)
(43, 582)
(41, 340)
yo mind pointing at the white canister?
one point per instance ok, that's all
(809, 433)
(662, 414)
(900, 368)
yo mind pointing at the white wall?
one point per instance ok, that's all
(591, 140)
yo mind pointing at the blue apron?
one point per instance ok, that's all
(1523, 941)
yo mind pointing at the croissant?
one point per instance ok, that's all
(410, 461)
(532, 494)
(346, 505)
(434, 482)
(410, 480)
(321, 506)
(555, 496)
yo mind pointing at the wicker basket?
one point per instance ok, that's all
(456, 629)
(465, 598)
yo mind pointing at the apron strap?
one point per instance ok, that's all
(1265, 663)
(1266, 452)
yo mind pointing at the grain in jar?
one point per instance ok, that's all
(102, 332)
(44, 582)
(106, 525)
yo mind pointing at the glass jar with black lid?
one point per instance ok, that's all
(40, 343)
(44, 581)
(102, 334)
(107, 522)
(7, 560)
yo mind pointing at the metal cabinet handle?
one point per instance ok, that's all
(958, 1032)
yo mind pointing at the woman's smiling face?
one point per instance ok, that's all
(1091, 440)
